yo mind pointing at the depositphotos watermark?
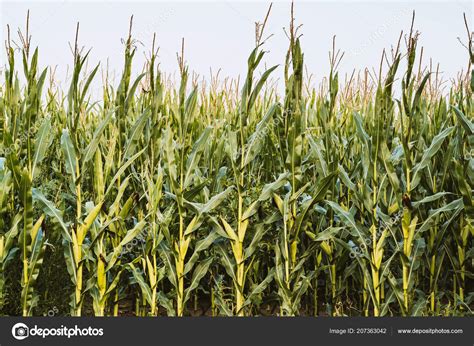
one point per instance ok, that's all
(21, 331)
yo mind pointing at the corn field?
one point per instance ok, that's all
(353, 198)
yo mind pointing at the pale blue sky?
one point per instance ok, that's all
(220, 34)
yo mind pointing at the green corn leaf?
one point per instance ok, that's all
(257, 237)
(269, 189)
(213, 203)
(201, 245)
(194, 157)
(144, 287)
(467, 124)
(201, 270)
(260, 288)
(42, 142)
(94, 143)
(122, 169)
(131, 234)
(69, 156)
(348, 220)
(256, 141)
(428, 154)
(135, 134)
(50, 210)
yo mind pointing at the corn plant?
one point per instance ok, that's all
(230, 198)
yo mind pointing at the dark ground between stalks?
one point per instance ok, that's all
(55, 299)
(204, 309)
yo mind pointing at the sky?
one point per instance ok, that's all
(221, 34)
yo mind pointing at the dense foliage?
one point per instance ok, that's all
(352, 199)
